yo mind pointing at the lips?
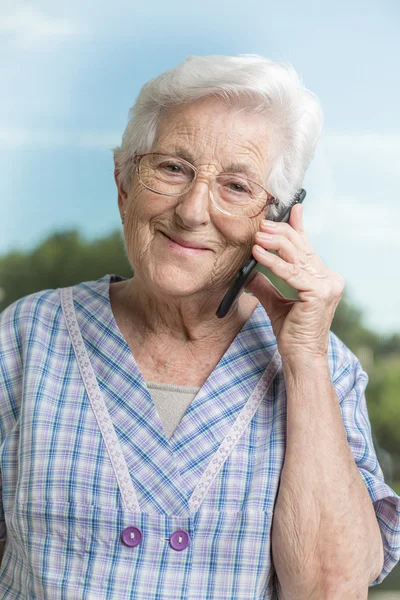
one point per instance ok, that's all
(186, 243)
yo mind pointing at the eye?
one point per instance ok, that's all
(172, 167)
(237, 187)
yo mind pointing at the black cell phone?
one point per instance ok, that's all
(248, 270)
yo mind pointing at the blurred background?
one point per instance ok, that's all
(70, 72)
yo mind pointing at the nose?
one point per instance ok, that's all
(193, 207)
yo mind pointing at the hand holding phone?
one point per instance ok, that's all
(248, 270)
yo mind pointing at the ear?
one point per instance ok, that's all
(122, 195)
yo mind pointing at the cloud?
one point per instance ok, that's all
(358, 221)
(372, 150)
(367, 222)
(352, 183)
(26, 24)
(14, 138)
(361, 143)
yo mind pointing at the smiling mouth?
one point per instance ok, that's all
(187, 249)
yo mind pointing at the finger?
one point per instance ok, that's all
(294, 275)
(298, 239)
(281, 244)
(296, 222)
(296, 218)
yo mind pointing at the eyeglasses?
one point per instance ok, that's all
(231, 193)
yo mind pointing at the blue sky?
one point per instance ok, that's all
(70, 72)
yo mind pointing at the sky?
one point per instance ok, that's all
(70, 72)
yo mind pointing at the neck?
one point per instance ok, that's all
(187, 320)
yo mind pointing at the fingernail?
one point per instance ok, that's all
(269, 224)
(264, 237)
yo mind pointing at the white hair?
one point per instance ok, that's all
(247, 82)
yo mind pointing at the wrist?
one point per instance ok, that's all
(305, 364)
(305, 358)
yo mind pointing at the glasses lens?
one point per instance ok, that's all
(239, 196)
(172, 176)
(166, 174)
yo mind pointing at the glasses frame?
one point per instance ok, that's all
(271, 200)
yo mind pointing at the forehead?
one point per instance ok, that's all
(209, 130)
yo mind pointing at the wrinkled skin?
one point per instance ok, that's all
(176, 293)
(183, 292)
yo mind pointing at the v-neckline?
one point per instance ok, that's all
(113, 323)
(116, 327)
(206, 422)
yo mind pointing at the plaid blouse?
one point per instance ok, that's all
(97, 503)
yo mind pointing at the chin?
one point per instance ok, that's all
(174, 281)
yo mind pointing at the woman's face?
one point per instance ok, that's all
(215, 137)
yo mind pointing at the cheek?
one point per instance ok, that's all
(137, 233)
(231, 261)
(145, 208)
(239, 238)
(237, 232)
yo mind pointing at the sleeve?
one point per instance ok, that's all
(350, 383)
(10, 387)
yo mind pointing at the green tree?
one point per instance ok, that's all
(383, 397)
(65, 258)
(62, 259)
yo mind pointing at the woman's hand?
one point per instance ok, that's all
(300, 326)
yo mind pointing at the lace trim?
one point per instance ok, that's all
(98, 405)
(235, 432)
(108, 432)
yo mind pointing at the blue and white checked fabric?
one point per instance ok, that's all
(61, 507)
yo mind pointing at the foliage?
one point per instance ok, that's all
(66, 259)
(383, 390)
(62, 259)
(383, 395)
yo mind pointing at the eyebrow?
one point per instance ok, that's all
(233, 167)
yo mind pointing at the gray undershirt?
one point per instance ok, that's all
(171, 402)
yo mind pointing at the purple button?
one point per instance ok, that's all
(179, 540)
(131, 536)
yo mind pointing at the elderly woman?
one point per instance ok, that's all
(151, 450)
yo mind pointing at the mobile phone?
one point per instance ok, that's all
(248, 270)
